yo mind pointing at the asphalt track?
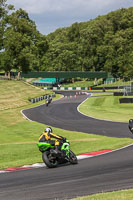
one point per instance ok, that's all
(63, 114)
(108, 172)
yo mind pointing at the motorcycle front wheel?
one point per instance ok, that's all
(49, 160)
(72, 158)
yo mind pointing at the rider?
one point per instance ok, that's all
(47, 99)
(50, 99)
(46, 137)
(130, 125)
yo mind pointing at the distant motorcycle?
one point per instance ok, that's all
(130, 125)
(48, 101)
(53, 160)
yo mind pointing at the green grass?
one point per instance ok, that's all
(15, 94)
(108, 108)
(85, 83)
(79, 84)
(119, 195)
(117, 83)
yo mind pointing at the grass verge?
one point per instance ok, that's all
(119, 195)
(107, 108)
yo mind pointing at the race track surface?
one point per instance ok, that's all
(63, 114)
(108, 172)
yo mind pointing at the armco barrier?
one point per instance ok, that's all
(118, 93)
(126, 100)
(108, 88)
(34, 100)
(84, 88)
(70, 88)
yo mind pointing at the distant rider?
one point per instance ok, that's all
(130, 125)
(48, 99)
(46, 137)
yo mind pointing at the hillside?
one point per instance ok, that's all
(102, 44)
(17, 94)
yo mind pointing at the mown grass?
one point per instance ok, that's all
(118, 195)
(108, 108)
(89, 83)
(15, 94)
(79, 84)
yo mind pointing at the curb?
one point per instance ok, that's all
(39, 165)
(92, 154)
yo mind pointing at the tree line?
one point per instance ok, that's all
(102, 44)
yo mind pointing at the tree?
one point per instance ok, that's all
(73, 32)
(4, 9)
(6, 63)
(41, 47)
(23, 43)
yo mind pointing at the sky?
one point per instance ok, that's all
(50, 15)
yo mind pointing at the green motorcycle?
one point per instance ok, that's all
(53, 160)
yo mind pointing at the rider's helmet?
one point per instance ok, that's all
(48, 129)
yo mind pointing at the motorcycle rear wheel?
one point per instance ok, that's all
(72, 158)
(51, 163)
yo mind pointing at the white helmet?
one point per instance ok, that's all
(48, 129)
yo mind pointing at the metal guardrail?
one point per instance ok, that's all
(34, 100)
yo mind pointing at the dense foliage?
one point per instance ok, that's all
(102, 44)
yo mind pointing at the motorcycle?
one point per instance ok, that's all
(53, 160)
(130, 125)
(48, 101)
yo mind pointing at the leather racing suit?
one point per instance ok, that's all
(46, 137)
